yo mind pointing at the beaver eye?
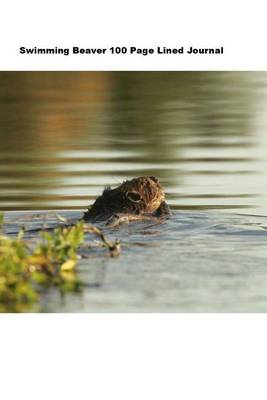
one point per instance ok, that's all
(134, 196)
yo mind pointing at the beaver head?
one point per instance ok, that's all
(137, 196)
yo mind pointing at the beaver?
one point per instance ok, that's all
(139, 198)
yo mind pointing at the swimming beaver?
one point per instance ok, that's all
(138, 198)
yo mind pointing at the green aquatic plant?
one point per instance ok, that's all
(16, 288)
(25, 269)
(60, 246)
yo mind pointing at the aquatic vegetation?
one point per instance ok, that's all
(26, 268)
(17, 291)
(114, 248)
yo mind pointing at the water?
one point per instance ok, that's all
(64, 136)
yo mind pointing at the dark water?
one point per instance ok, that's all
(64, 136)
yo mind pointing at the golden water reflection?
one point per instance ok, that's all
(64, 135)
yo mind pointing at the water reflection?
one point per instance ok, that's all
(64, 135)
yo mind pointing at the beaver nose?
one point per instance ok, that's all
(154, 179)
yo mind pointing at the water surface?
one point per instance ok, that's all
(197, 261)
(65, 135)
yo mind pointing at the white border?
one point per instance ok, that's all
(240, 27)
(146, 356)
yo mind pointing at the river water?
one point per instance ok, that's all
(65, 135)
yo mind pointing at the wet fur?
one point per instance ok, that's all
(142, 195)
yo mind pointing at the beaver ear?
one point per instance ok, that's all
(134, 196)
(154, 179)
